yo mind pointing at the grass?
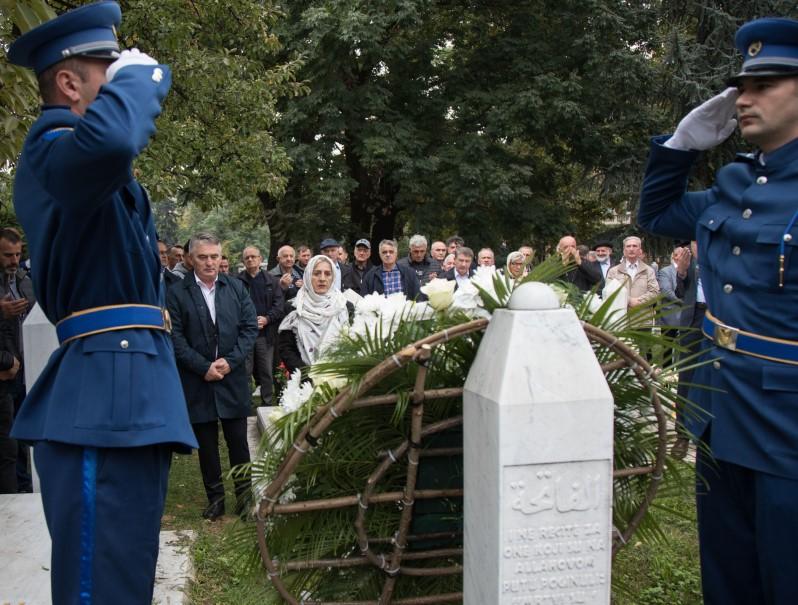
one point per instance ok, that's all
(666, 572)
(644, 574)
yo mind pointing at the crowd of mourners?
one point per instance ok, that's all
(235, 320)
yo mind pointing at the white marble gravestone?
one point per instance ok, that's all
(38, 343)
(538, 428)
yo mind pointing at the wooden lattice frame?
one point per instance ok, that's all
(391, 563)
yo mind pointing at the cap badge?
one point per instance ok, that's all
(754, 49)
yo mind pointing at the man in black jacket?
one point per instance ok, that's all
(586, 274)
(9, 365)
(389, 277)
(267, 296)
(214, 328)
(360, 266)
(425, 267)
(16, 301)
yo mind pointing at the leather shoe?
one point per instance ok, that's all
(214, 511)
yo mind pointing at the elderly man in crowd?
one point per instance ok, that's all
(604, 256)
(389, 277)
(585, 274)
(331, 249)
(287, 272)
(437, 250)
(214, 328)
(426, 267)
(453, 243)
(486, 258)
(303, 255)
(267, 296)
(174, 255)
(360, 265)
(639, 278)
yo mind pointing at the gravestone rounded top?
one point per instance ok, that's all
(533, 296)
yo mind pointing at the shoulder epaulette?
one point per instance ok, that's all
(56, 132)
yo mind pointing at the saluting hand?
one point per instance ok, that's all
(128, 57)
(708, 125)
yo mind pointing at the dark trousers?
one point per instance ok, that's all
(103, 508)
(260, 364)
(235, 435)
(8, 447)
(748, 535)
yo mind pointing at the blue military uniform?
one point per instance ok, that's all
(747, 235)
(108, 409)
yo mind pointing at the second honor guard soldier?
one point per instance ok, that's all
(746, 225)
(108, 410)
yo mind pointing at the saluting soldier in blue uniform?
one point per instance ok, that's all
(746, 225)
(108, 410)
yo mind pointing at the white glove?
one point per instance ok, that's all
(707, 125)
(128, 57)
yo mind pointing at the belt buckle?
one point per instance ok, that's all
(167, 320)
(726, 337)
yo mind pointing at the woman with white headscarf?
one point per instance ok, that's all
(516, 267)
(321, 312)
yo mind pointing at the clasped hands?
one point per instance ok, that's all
(218, 370)
(708, 125)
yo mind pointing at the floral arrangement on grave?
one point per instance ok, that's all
(316, 550)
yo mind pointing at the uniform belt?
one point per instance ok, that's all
(748, 343)
(110, 318)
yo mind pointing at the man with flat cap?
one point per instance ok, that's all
(746, 225)
(108, 410)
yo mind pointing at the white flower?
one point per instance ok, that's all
(483, 277)
(370, 304)
(468, 300)
(296, 393)
(440, 293)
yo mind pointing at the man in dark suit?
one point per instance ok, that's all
(267, 296)
(586, 274)
(214, 327)
(463, 266)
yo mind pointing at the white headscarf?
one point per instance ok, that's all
(318, 318)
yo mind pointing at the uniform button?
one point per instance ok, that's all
(761, 180)
(747, 213)
(716, 365)
(736, 251)
(728, 288)
(787, 237)
(124, 344)
(712, 221)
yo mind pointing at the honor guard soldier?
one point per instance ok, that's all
(108, 410)
(746, 225)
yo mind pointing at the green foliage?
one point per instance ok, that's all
(214, 145)
(435, 117)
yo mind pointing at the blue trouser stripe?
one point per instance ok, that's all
(87, 523)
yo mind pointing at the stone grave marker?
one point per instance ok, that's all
(38, 343)
(538, 430)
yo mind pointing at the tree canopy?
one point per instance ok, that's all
(506, 122)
